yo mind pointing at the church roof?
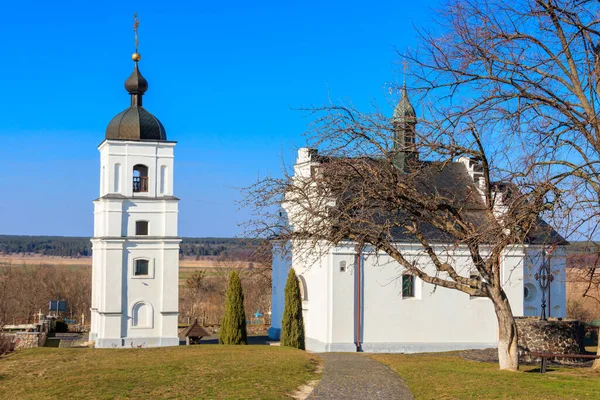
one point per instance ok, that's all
(450, 180)
(135, 122)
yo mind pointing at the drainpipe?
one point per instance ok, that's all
(549, 284)
(358, 283)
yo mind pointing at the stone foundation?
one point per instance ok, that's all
(552, 336)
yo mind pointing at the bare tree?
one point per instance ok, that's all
(367, 185)
(530, 69)
(27, 289)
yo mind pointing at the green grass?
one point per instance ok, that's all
(448, 376)
(190, 372)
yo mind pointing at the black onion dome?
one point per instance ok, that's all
(136, 123)
(136, 83)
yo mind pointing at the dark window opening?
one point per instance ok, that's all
(140, 178)
(141, 227)
(408, 286)
(141, 267)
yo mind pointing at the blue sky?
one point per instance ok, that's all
(224, 80)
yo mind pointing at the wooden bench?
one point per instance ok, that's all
(545, 356)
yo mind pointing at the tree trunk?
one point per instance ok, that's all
(508, 354)
(596, 364)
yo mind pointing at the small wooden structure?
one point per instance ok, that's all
(193, 333)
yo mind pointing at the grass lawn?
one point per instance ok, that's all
(448, 376)
(204, 371)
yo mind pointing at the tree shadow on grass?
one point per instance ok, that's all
(539, 369)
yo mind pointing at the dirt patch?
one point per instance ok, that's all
(305, 390)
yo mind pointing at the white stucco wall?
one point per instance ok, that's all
(436, 319)
(116, 291)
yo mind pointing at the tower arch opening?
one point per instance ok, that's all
(140, 178)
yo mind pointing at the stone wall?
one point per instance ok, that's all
(553, 336)
(27, 340)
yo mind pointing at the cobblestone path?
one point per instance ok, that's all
(357, 376)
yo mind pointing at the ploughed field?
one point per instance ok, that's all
(202, 371)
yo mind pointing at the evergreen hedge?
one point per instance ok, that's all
(233, 325)
(292, 324)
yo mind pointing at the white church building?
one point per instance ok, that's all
(355, 300)
(135, 268)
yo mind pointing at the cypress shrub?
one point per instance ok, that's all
(292, 324)
(233, 324)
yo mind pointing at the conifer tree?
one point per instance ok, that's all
(292, 325)
(233, 324)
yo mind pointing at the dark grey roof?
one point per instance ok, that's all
(194, 330)
(452, 181)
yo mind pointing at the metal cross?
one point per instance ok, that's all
(136, 23)
(544, 278)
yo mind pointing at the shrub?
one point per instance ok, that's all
(61, 326)
(292, 324)
(7, 344)
(233, 325)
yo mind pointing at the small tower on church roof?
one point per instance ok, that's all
(404, 122)
(404, 111)
(136, 123)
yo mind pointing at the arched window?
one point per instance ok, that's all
(141, 228)
(117, 178)
(342, 266)
(140, 178)
(141, 267)
(142, 315)
(302, 284)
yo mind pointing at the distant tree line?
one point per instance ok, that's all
(63, 246)
(46, 245)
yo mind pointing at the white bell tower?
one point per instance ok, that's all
(135, 245)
